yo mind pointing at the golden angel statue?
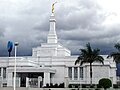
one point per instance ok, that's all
(53, 7)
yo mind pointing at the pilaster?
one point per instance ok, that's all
(72, 73)
(78, 73)
(46, 78)
(9, 79)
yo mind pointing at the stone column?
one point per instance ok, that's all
(66, 82)
(2, 73)
(27, 82)
(78, 73)
(9, 79)
(66, 73)
(1, 78)
(46, 78)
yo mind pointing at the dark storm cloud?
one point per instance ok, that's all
(2, 28)
(77, 23)
(84, 16)
(83, 25)
(1, 32)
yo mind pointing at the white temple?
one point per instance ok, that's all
(52, 63)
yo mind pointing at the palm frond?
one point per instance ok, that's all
(89, 49)
(82, 62)
(100, 59)
(78, 60)
(115, 56)
(117, 46)
(89, 55)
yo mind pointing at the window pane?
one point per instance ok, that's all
(0, 71)
(75, 73)
(4, 72)
(70, 72)
(81, 72)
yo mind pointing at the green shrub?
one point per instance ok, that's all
(51, 85)
(97, 89)
(55, 86)
(115, 86)
(62, 85)
(105, 83)
(98, 86)
(70, 86)
(47, 85)
(92, 86)
(83, 86)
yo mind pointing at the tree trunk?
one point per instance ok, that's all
(90, 73)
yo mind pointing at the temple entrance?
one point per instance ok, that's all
(32, 79)
(23, 80)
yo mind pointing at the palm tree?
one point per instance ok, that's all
(116, 55)
(89, 55)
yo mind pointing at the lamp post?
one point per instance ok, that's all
(16, 44)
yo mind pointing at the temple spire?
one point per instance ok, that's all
(52, 36)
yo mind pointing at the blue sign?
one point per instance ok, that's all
(9, 46)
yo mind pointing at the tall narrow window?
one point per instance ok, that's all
(70, 72)
(4, 72)
(81, 72)
(75, 73)
(0, 71)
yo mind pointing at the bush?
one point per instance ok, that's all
(92, 86)
(105, 83)
(83, 86)
(47, 85)
(56, 85)
(61, 85)
(97, 89)
(98, 86)
(115, 86)
(51, 85)
(70, 86)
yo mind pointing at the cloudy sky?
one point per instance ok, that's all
(78, 22)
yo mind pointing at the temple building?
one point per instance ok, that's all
(51, 62)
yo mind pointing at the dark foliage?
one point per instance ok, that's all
(92, 86)
(105, 83)
(98, 86)
(61, 85)
(47, 85)
(89, 55)
(70, 86)
(83, 86)
(115, 86)
(115, 55)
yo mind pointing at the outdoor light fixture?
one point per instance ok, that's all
(15, 44)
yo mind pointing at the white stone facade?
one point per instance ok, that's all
(54, 64)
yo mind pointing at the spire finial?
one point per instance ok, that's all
(53, 7)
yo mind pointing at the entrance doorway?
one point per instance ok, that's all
(32, 76)
(23, 80)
